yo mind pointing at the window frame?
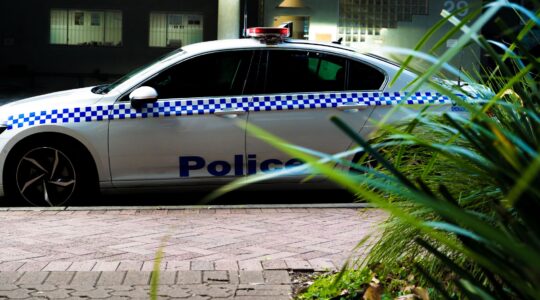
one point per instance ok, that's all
(125, 96)
(184, 15)
(84, 10)
(264, 65)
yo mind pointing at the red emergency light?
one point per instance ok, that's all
(268, 32)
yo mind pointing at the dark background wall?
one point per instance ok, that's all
(25, 50)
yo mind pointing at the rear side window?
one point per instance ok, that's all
(303, 71)
(364, 77)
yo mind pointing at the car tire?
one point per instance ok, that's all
(50, 172)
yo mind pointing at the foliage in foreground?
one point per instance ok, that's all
(479, 239)
(464, 213)
(364, 283)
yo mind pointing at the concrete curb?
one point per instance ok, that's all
(192, 207)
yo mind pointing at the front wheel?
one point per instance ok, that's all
(50, 174)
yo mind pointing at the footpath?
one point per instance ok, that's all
(208, 253)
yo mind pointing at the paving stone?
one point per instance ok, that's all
(8, 287)
(174, 291)
(120, 288)
(106, 266)
(234, 277)
(59, 278)
(200, 265)
(111, 278)
(137, 278)
(33, 266)
(196, 298)
(40, 287)
(57, 266)
(16, 294)
(167, 277)
(9, 277)
(85, 278)
(82, 266)
(274, 264)
(55, 294)
(250, 265)
(178, 265)
(213, 290)
(277, 277)
(33, 278)
(299, 265)
(138, 292)
(10, 266)
(321, 265)
(130, 266)
(263, 290)
(226, 265)
(94, 293)
(251, 277)
(149, 266)
(215, 277)
(189, 277)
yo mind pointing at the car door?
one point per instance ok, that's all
(302, 90)
(192, 132)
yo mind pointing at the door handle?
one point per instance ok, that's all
(352, 107)
(229, 113)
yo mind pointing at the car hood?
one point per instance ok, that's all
(65, 99)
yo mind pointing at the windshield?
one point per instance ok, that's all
(104, 89)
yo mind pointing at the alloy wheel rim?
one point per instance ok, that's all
(46, 177)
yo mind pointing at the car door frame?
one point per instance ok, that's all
(347, 58)
(122, 101)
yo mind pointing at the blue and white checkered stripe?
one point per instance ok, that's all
(210, 106)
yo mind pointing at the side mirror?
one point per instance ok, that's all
(143, 95)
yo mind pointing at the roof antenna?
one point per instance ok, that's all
(244, 30)
(338, 41)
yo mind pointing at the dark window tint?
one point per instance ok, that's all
(301, 71)
(364, 77)
(211, 75)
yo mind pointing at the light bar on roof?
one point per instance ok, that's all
(268, 32)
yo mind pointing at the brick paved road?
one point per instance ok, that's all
(211, 253)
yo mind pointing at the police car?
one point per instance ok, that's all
(175, 122)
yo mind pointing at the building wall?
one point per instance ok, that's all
(25, 35)
(324, 22)
(323, 15)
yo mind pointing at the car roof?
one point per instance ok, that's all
(252, 43)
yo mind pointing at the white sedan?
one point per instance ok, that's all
(174, 122)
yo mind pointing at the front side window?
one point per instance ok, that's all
(304, 71)
(175, 29)
(211, 75)
(86, 27)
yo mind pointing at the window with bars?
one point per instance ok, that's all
(361, 18)
(86, 27)
(175, 29)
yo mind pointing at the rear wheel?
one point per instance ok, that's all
(46, 174)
